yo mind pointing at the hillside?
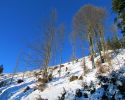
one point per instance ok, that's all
(94, 85)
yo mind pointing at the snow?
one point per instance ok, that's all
(55, 88)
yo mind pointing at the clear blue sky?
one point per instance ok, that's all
(20, 21)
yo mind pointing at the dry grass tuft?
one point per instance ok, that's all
(73, 78)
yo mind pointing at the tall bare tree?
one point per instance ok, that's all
(83, 23)
(16, 67)
(60, 38)
(73, 40)
(89, 19)
(41, 51)
(48, 43)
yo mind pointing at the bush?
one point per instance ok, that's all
(90, 58)
(81, 78)
(85, 95)
(103, 69)
(114, 43)
(35, 74)
(66, 69)
(38, 97)
(50, 77)
(55, 67)
(72, 78)
(26, 89)
(41, 86)
(19, 81)
(98, 63)
(1, 69)
(77, 60)
(78, 93)
(3, 83)
(42, 80)
(62, 97)
(62, 66)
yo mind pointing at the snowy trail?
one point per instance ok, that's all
(7, 93)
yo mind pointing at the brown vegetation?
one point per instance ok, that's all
(80, 78)
(103, 69)
(42, 80)
(73, 78)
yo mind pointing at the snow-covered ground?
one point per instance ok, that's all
(91, 86)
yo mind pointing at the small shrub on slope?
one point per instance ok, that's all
(62, 97)
(81, 78)
(78, 93)
(41, 86)
(42, 80)
(50, 77)
(103, 69)
(38, 97)
(26, 89)
(72, 78)
(3, 83)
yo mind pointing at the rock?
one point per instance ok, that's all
(92, 91)
(113, 80)
(104, 97)
(78, 93)
(105, 87)
(86, 87)
(26, 89)
(85, 95)
(103, 79)
(91, 84)
(19, 81)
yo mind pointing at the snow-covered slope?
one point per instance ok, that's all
(92, 86)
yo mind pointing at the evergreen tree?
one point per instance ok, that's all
(108, 43)
(1, 69)
(115, 42)
(118, 6)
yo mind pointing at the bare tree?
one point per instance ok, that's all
(16, 67)
(60, 38)
(48, 43)
(83, 23)
(100, 42)
(73, 39)
(41, 51)
(89, 19)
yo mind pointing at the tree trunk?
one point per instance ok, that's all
(60, 62)
(99, 46)
(91, 50)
